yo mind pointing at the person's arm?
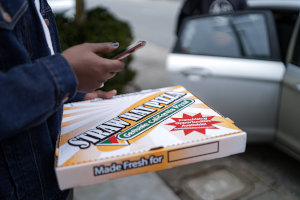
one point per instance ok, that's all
(32, 92)
(79, 96)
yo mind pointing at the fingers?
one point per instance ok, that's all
(106, 47)
(106, 95)
(107, 69)
(100, 94)
(115, 66)
(91, 69)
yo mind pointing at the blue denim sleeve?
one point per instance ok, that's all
(30, 93)
(79, 96)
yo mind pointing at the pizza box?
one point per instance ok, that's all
(151, 130)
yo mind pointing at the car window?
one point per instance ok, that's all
(243, 36)
(296, 55)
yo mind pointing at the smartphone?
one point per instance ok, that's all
(130, 49)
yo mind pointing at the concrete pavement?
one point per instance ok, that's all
(147, 186)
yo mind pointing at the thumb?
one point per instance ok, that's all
(106, 95)
(100, 94)
(106, 47)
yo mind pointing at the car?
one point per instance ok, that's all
(62, 6)
(246, 65)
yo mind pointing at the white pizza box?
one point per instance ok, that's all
(141, 132)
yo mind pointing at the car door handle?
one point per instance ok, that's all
(196, 71)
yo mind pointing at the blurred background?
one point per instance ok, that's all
(263, 172)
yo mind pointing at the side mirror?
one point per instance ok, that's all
(248, 34)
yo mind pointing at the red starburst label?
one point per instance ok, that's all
(193, 123)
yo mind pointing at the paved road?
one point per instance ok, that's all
(151, 20)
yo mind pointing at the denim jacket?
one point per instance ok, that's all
(33, 85)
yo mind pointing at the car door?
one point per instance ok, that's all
(288, 135)
(232, 62)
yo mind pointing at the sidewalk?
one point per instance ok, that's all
(262, 173)
(254, 175)
(145, 186)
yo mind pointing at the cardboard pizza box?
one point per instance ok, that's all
(138, 133)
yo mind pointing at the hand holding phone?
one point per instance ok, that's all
(130, 49)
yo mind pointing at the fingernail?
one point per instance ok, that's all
(115, 44)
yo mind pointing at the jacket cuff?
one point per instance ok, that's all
(79, 96)
(63, 77)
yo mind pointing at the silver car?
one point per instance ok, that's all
(62, 6)
(247, 66)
